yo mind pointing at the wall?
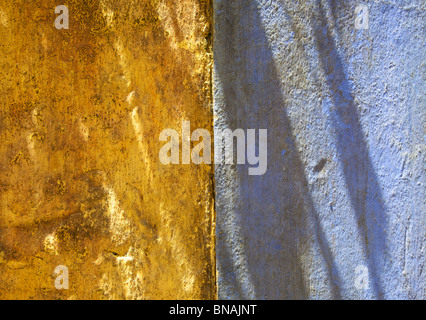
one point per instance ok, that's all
(343, 196)
(81, 184)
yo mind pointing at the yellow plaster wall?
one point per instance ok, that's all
(81, 183)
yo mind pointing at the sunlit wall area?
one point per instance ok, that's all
(87, 210)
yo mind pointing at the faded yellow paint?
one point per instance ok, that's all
(81, 183)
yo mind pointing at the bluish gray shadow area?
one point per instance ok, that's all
(277, 219)
(361, 180)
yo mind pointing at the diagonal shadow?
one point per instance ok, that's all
(361, 180)
(265, 224)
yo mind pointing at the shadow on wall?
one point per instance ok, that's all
(273, 209)
(361, 180)
(264, 236)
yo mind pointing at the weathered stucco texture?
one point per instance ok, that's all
(81, 183)
(345, 114)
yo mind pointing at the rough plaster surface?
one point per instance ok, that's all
(81, 183)
(345, 114)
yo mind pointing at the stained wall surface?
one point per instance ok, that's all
(81, 183)
(343, 197)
